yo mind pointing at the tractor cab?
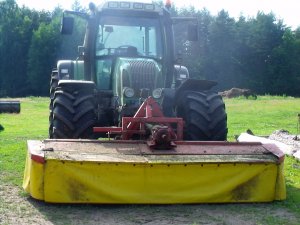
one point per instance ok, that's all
(128, 58)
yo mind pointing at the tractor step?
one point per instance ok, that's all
(125, 172)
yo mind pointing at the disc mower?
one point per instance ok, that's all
(128, 125)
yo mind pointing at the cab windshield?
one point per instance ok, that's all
(129, 36)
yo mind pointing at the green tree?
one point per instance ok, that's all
(14, 32)
(43, 54)
(221, 39)
(285, 70)
(16, 28)
(265, 34)
(76, 6)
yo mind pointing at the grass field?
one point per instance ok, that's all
(262, 116)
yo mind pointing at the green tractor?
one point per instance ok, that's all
(128, 55)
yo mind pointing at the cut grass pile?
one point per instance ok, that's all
(262, 116)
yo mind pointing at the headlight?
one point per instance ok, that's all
(128, 92)
(138, 5)
(113, 4)
(125, 5)
(149, 7)
(156, 93)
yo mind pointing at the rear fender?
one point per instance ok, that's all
(75, 85)
(70, 70)
(194, 85)
(170, 95)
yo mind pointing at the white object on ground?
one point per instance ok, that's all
(286, 149)
(297, 155)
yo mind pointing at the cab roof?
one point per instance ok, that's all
(146, 6)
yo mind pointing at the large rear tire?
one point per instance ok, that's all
(53, 86)
(74, 110)
(204, 115)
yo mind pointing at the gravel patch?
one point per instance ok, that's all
(291, 140)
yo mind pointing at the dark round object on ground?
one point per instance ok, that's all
(10, 106)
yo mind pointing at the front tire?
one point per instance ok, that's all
(74, 110)
(204, 115)
(53, 86)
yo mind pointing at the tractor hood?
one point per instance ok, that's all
(136, 75)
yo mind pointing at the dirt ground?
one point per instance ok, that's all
(18, 208)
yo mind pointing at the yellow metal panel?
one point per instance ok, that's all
(91, 182)
(104, 176)
(280, 183)
(33, 181)
(26, 178)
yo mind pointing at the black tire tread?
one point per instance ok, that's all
(73, 112)
(204, 115)
(53, 86)
(64, 102)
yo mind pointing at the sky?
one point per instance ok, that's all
(287, 10)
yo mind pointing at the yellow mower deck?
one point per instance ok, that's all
(125, 172)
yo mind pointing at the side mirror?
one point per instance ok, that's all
(193, 32)
(67, 24)
(109, 29)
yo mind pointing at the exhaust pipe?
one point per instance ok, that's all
(10, 107)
